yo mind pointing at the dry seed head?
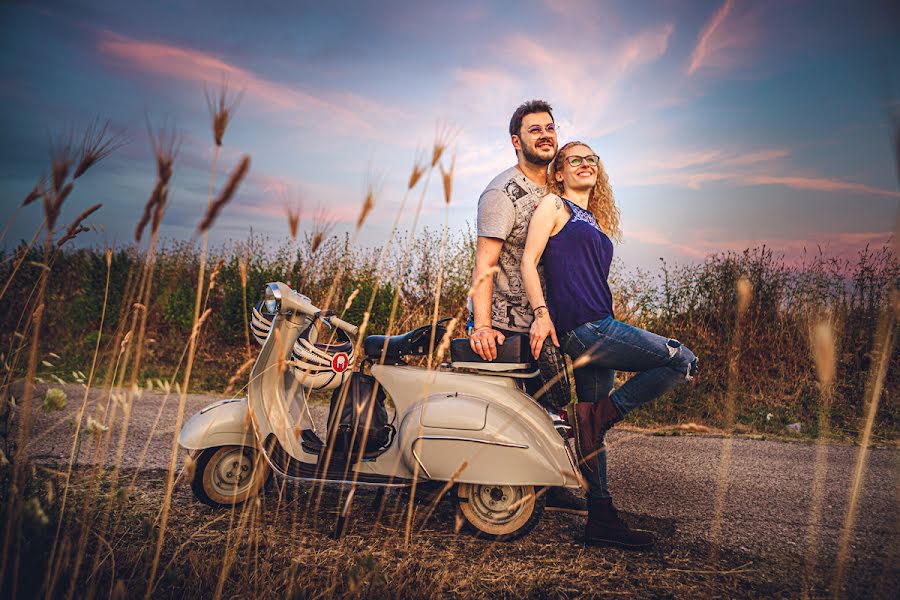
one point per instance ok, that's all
(165, 143)
(744, 294)
(321, 227)
(350, 300)
(242, 268)
(61, 159)
(415, 175)
(368, 204)
(109, 256)
(221, 110)
(447, 177)
(75, 228)
(441, 139)
(226, 195)
(158, 191)
(823, 352)
(293, 216)
(35, 193)
(96, 145)
(125, 341)
(214, 274)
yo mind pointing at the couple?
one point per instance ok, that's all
(557, 209)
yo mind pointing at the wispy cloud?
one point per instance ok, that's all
(347, 111)
(693, 169)
(726, 34)
(700, 243)
(820, 184)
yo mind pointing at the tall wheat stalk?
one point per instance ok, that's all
(63, 157)
(823, 351)
(884, 348)
(744, 295)
(53, 568)
(220, 117)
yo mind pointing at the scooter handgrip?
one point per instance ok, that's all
(343, 325)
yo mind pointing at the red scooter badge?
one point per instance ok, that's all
(340, 362)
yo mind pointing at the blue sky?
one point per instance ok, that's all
(722, 124)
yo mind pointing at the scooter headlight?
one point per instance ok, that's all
(272, 299)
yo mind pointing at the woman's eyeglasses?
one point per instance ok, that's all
(576, 161)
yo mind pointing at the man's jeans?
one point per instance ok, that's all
(609, 346)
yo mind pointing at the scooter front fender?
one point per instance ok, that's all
(224, 423)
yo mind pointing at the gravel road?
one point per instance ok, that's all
(669, 481)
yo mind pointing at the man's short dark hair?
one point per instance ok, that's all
(527, 108)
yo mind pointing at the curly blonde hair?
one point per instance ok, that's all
(601, 202)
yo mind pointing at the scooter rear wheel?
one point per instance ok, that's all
(499, 512)
(228, 475)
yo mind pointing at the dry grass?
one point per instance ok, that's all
(96, 526)
(371, 561)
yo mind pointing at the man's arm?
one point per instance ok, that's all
(485, 338)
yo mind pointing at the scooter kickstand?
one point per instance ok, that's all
(341, 525)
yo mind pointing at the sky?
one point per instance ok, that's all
(723, 125)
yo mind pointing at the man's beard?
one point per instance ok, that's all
(534, 158)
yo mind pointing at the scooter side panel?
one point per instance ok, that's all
(518, 444)
(220, 424)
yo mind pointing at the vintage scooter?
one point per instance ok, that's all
(467, 422)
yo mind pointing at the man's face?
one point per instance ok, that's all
(537, 139)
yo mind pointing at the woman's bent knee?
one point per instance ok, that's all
(684, 360)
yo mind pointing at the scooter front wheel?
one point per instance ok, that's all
(228, 475)
(499, 512)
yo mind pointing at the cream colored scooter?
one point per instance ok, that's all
(467, 422)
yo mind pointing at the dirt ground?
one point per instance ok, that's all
(283, 546)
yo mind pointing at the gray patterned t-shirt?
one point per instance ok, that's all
(504, 211)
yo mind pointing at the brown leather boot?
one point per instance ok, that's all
(605, 528)
(585, 435)
(604, 416)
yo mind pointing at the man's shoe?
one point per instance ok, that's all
(605, 528)
(560, 499)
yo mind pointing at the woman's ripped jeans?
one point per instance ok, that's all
(600, 348)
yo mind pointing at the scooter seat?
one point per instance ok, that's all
(513, 354)
(413, 343)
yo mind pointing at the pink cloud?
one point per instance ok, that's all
(684, 160)
(187, 64)
(699, 244)
(820, 184)
(741, 168)
(646, 47)
(723, 38)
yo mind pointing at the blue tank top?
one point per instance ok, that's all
(576, 267)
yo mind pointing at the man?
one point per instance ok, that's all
(500, 305)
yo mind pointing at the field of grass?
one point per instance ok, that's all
(778, 344)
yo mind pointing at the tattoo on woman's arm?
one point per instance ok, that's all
(558, 204)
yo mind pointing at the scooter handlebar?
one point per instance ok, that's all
(343, 325)
(289, 299)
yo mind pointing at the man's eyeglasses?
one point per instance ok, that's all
(576, 161)
(537, 129)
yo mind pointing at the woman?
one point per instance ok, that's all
(570, 232)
